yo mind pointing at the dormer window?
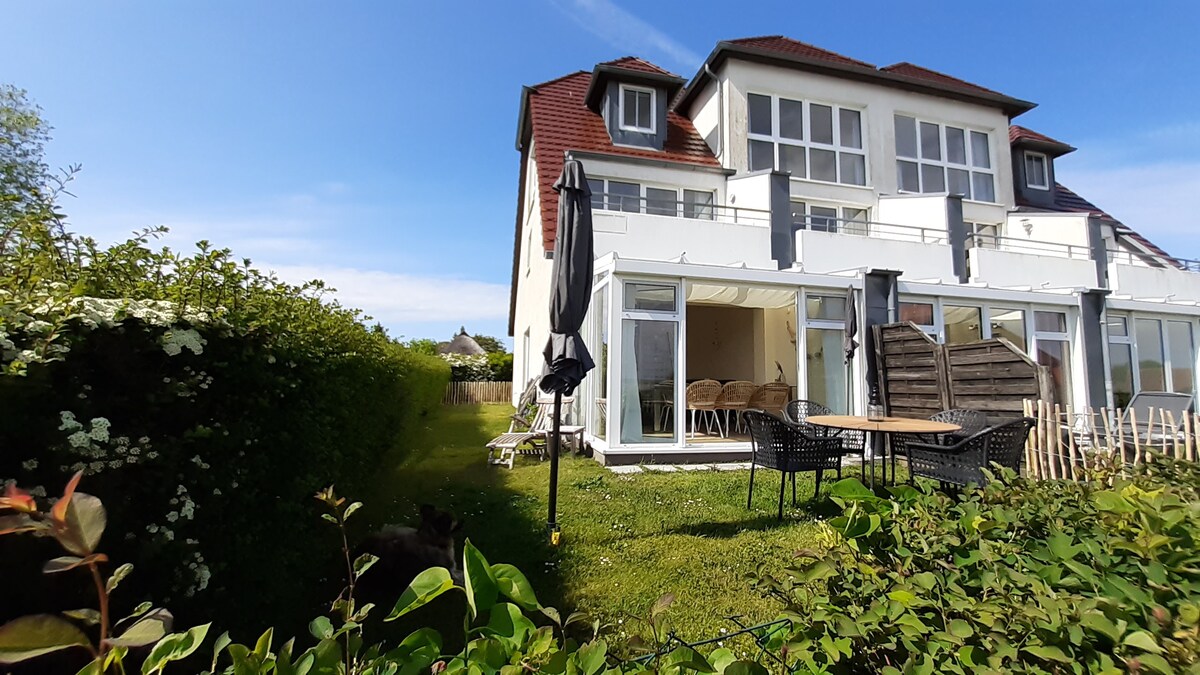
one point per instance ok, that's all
(1037, 173)
(637, 109)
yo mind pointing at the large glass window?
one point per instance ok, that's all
(809, 140)
(1008, 324)
(847, 219)
(920, 313)
(624, 196)
(932, 157)
(647, 379)
(825, 365)
(1179, 335)
(618, 195)
(597, 419)
(963, 324)
(1148, 334)
(1054, 351)
(697, 204)
(1120, 360)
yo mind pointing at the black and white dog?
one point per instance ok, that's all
(405, 552)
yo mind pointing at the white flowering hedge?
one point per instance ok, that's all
(205, 402)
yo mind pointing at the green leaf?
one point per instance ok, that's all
(683, 659)
(146, 630)
(30, 636)
(83, 524)
(1096, 621)
(850, 490)
(263, 646)
(117, 575)
(351, 509)
(219, 646)
(321, 627)
(721, 657)
(960, 629)
(745, 668)
(87, 615)
(661, 605)
(1143, 641)
(428, 585)
(1156, 663)
(591, 657)
(364, 563)
(480, 585)
(514, 586)
(61, 564)
(508, 622)
(92, 668)
(1049, 653)
(174, 647)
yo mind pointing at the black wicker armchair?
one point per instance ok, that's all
(789, 448)
(798, 412)
(964, 462)
(971, 421)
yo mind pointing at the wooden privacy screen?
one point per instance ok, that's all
(918, 377)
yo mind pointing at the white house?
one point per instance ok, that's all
(734, 212)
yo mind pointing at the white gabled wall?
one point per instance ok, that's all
(879, 104)
(532, 310)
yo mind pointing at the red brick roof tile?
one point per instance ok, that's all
(562, 122)
(921, 73)
(1067, 201)
(1019, 134)
(635, 64)
(786, 45)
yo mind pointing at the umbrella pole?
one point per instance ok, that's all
(555, 439)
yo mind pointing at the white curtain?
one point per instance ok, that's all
(631, 398)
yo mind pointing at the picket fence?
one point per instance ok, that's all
(463, 393)
(1066, 442)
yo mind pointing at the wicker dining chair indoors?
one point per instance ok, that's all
(735, 398)
(964, 462)
(701, 400)
(789, 449)
(770, 397)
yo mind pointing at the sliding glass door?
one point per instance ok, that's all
(649, 361)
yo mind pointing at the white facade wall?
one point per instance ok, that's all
(1052, 233)
(879, 104)
(531, 315)
(826, 252)
(925, 211)
(1139, 281)
(1009, 268)
(648, 237)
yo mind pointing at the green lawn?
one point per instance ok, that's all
(627, 539)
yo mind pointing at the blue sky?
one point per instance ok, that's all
(371, 143)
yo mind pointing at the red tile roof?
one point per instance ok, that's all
(786, 45)
(912, 70)
(1018, 133)
(638, 65)
(562, 122)
(1067, 201)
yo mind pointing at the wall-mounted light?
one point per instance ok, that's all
(1027, 225)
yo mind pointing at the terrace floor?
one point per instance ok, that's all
(628, 538)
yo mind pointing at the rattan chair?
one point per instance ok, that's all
(798, 412)
(971, 421)
(964, 462)
(788, 448)
(735, 398)
(770, 397)
(701, 397)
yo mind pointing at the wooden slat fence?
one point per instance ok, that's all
(462, 393)
(1066, 442)
(919, 377)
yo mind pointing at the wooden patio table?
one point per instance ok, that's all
(888, 425)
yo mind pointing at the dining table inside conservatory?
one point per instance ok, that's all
(883, 426)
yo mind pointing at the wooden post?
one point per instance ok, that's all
(1058, 469)
(1137, 446)
(1188, 453)
(1027, 409)
(1071, 443)
(1173, 438)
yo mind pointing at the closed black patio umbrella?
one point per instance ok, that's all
(567, 358)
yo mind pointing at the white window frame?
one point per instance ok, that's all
(944, 162)
(1029, 154)
(653, 109)
(854, 393)
(986, 239)
(1130, 338)
(643, 203)
(616, 352)
(841, 217)
(807, 143)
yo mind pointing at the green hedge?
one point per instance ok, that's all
(206, 403)
(1020, 576)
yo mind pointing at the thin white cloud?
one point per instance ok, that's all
(621, 29)
(394, 298)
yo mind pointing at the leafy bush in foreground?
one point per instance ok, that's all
(1018, 576)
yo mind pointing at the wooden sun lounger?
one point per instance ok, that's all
(503, 449)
